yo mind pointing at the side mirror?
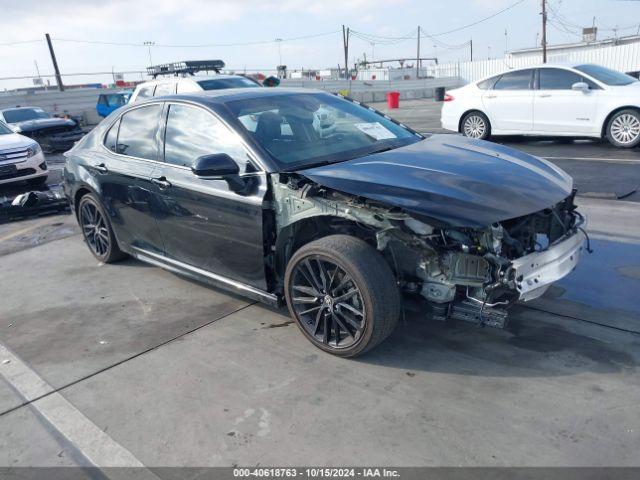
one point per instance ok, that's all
(580, 86)
(216, 165)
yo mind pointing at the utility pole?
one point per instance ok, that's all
(55, 63)
(279, 42)
(149, 44)
(345, 43)
(418, 56)
(471, 46)
(544, 31)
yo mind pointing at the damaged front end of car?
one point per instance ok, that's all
(463, 273)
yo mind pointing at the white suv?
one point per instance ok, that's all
(549, 100)
(177, 85)
(21, 158)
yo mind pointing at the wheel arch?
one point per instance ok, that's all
(295, 235)
(603, 128)
(80, 192)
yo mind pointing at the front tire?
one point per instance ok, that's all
(342, 295)
(475, 125)
(97, 231)
(623, 129)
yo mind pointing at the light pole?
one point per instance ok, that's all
(149, 44)
(279, 42)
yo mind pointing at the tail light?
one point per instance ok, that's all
(448, 98)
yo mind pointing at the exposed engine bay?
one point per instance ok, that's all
(461, 273)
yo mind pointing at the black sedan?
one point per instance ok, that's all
(313, 200)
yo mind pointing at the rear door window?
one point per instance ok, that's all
(137, 134)
(520, 80)
(111, 139)
(488, 83)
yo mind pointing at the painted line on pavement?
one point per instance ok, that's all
(96, 446)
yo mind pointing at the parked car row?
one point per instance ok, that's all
(549, 100)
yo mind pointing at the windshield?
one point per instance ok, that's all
(5, 130)
(606, 76)
(222, 83)
(24, 114)
(306, 129)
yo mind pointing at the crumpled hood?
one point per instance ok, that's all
(40, 123)
(451, 179)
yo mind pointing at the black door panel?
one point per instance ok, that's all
(124, 180)
(207, 225)
(129, 198)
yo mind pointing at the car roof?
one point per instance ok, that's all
(195, 78)
(230, 94)
(531, 67)
(23, 107)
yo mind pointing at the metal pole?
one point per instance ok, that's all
(418, 56)
(544, 31)
(55, 63)
(149, 44)
(471, 45)
(345, 43)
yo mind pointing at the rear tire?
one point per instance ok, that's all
(97, 231)
(475, 125)
(342, 295)
(623, 129)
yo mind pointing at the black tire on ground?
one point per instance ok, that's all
(623, 129)
(475, 125)
(90, 212)
(349, 264)
(38, 181)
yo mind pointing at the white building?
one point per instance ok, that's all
(622, 54)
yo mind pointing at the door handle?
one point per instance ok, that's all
(162, 182)
(544, 95)
(101, 168)
(490, 96)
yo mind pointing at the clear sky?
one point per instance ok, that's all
(201, 22)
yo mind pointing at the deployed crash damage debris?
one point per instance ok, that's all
(34, 203)
(463, 273)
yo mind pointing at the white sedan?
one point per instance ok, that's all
(549, 100)
(21, 158)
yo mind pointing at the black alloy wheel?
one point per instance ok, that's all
(97, 231)
(328, 302)
(342, 294)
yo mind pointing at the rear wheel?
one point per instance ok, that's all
(475, 125)
(623, 129)
(342, 295)
(97, 230)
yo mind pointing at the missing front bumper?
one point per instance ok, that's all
(534, 273)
